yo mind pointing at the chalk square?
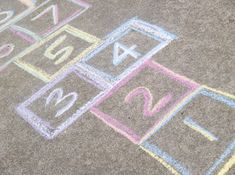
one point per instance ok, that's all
(131, 120)
(44, 68)
(52, 15)
(216, 112)
(46, 118)
(156, 37)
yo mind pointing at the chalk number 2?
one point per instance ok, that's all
(149, 110)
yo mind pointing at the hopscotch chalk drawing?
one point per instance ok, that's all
(57, 105)
(61, 60)
(58, 60)
(200, 129)
(148, 101)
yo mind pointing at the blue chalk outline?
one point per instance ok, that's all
(177, 165)
(139, 26)
(170, 160)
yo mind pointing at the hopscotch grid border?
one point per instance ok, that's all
(42, 126)
(219, 96)
(41, 74)
(137, 25)
(93, 79)
(128, 132)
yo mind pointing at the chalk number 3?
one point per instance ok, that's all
(57, 95)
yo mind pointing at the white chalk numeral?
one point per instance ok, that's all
(55, 14)
(66, 51)
(57, 95)
(119, 58)
(8, 15)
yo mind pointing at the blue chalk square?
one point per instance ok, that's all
(125, 49)
(198, 136)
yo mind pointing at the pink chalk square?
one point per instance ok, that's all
(138, 103)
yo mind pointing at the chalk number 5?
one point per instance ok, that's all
(66, 51)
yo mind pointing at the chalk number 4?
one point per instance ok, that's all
(119, 58)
